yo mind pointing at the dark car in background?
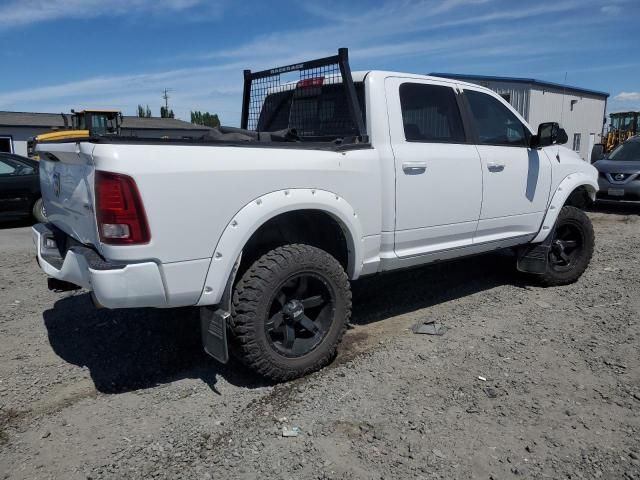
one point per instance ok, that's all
(619, 172)
(20, 188)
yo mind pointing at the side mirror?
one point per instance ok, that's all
(549, 133)
(597, 153)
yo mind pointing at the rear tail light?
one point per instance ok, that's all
(310, 82)
(119, 210)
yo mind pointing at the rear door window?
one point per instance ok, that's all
(430, 113)
(12, 166)
(7, 168)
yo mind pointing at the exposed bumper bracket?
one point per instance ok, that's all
(56, 285)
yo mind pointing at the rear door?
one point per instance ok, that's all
(516, 179)
(67, 186)
(17, 181)
(438, 176)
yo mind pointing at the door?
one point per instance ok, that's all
(16, 185)
(516, 179)
(438, 175)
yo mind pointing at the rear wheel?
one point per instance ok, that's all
(290, 310)
(571, 247)
(39, 212)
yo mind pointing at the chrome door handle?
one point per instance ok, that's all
(414, 168)
(495, 167)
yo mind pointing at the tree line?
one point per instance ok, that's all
(197, 117)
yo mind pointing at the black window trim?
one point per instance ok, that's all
(461, 109)
(474, 130)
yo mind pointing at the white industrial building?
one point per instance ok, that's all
(16, 128)
(581, 112)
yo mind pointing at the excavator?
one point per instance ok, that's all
(84, 124)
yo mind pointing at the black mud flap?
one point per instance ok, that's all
(534, 258)
(213, 326)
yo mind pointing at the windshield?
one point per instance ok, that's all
(626, 152)
(312, 111)
(104, 123)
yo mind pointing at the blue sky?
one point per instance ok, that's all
(59, 54)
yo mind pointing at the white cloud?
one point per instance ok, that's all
(395, 30)
(628, 97)
(17, 13)
(382, 24)
(611, 9)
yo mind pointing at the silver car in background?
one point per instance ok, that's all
(619, 172)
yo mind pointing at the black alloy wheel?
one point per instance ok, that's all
(300, 314)
(566, 246)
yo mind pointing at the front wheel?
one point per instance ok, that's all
(39, 212)
(290, 310)
(571, 247)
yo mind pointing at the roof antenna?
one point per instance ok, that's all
(564, 92)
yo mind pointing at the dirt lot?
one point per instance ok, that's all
(129, 394)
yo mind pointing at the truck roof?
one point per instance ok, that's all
(361, 74)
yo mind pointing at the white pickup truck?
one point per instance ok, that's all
(333, 177)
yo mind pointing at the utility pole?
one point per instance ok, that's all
(165, 96)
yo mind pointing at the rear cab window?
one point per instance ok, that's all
(314, 111)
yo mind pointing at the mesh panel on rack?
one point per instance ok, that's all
(310, 98)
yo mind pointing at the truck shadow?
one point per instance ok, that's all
(127, 350)
(134, 349)
(387, 295)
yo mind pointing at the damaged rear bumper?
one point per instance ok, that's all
(114, 284)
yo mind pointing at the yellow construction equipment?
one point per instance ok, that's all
(84, 124)
(623, 126)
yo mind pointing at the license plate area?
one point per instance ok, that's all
(616, 192)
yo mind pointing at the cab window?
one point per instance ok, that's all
(494, 122)
(98, 124)
(430, 113)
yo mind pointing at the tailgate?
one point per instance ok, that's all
(67, 185)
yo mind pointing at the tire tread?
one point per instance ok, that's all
(256, 282)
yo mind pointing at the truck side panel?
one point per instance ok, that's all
(191, 193)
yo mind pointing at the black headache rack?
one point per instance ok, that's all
(317, 100)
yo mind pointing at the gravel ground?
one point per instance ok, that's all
(527, 382)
